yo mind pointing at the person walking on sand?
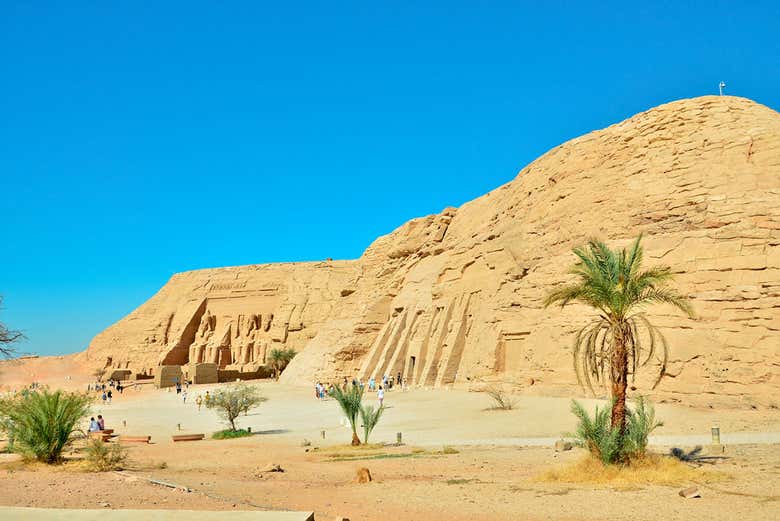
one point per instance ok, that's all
(380, 395)
(184, 397)
(103, 397)
(208, 398)
(199, 401)
(109, 395)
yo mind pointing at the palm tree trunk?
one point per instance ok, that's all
(355, 439)
(619, 382)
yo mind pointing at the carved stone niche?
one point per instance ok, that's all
(208, 324)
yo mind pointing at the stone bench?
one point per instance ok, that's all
(97, 435)
(135, 439)
(188, 437)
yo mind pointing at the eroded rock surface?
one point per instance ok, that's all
(457, 297)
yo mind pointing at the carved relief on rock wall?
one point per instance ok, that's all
(240, 341)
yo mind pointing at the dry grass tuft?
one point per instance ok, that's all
(350, 451)
(650, 470)
(502, 400)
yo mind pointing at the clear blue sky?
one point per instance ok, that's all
(139, 139)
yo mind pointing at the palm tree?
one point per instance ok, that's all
(279, 358)
(621, 339)
(350, 398)
(370, 418)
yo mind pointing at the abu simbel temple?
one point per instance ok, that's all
(456, 299)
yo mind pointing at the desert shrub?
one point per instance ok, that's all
(103, 457)
(42, 423)
(234, 399)
(607, 444)
(370, 418)
(229, 434)
(501, 399)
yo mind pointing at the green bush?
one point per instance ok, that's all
(607, 444)
(103, 457)
(41, 423)
(228, 434)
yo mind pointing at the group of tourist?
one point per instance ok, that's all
(387, 382)
(200, 400)
(106, 390)
(183, 391)
(321, 391)
(97, 425)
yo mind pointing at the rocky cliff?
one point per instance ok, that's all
(457, 297)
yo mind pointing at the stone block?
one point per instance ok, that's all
(167, 376)
(203, 373)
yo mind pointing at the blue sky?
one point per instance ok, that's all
(139, 139)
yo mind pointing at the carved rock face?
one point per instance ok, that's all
(454, 297)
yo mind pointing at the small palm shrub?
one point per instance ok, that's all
(103, 457)
(42, 423)
(370, 418)
(604, 442)
(350, 398)
(639, 424)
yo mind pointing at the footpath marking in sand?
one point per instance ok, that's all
(56, 514)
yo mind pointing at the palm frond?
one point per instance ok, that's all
(370, 419)
(666, 296)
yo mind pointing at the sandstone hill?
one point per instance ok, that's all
(456, 298)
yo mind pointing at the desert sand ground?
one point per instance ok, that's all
(491, 469)
(425, 418)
